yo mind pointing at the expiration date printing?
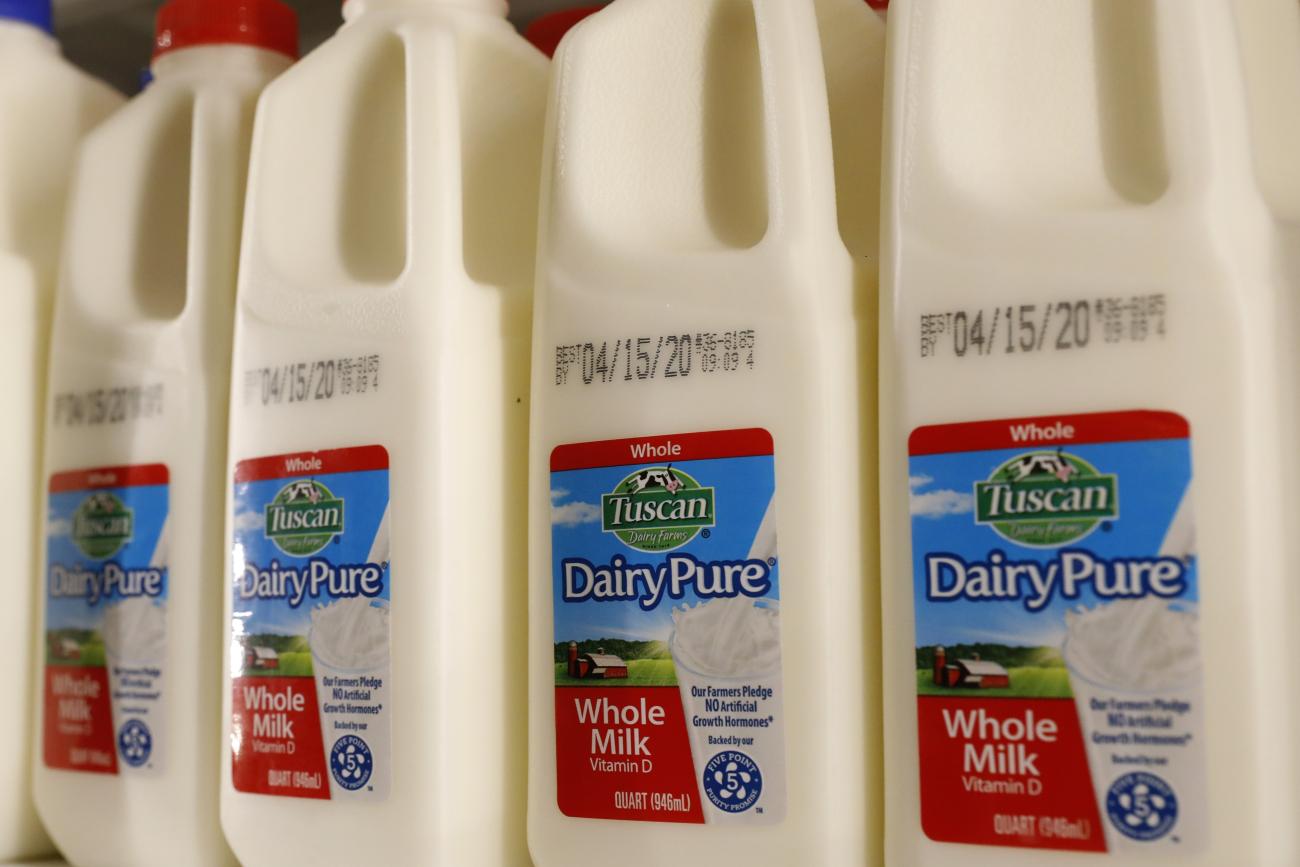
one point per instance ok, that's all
(114, 405)
(304, 381)
(1058, 326)
(667, 356)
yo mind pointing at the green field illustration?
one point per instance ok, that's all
(991, 671)
(613, 662)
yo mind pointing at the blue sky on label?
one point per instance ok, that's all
(1153, 476)
(743, 488)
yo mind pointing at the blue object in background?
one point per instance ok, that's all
(37, 13)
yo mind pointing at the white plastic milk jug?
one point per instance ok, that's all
(129, 714)
(46, 106)
(703, 386)
(1082, 466)
(375, 592)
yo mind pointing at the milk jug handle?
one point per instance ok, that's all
(800, 172)
(1202, 92)
(434, 184)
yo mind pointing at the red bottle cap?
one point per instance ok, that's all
(547, 31)
(882, 5)
(268, 24)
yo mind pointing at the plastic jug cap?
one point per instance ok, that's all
(34, 12)
(269, 24)
(547, 31)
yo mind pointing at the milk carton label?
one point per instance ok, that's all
(668, 629)
(106, 621)
(1058, 664)
(312, 588)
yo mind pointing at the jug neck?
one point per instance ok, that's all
(19, 35)
(216, 62)
(353, 9)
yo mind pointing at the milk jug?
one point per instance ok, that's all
(46, 106)
(129, 669)
(1081, 460)
(704, 387)
(375, 595)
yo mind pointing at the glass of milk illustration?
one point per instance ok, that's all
(135, 649)
(727, 655)
(1135, 671)
(350, 655)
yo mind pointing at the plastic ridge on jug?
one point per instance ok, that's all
(46, 106)
(376, 607)
(129, 712)
(1085, 297)
(704, 384)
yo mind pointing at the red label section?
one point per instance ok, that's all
(623, 753)
(354, 460)
(663, 449)
(109, 477)
(1049, 430)
(276, 744)
(1006, 772)
(79, 720)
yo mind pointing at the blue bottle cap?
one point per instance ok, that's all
(34, 12)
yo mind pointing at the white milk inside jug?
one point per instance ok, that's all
(129, 711)
(375, 603)
(46, 106)
(1080, 453)
(704, 386)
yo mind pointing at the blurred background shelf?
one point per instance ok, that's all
(112, 39)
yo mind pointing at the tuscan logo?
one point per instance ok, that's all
(1046, 499)
(657, 509)
(303, 518)
(101, 525)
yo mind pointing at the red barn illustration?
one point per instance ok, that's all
(261, 657)
(65, 648)
(974, 673)
(595, 666)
